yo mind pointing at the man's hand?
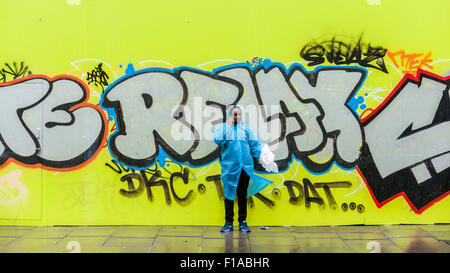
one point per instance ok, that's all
(230, 121)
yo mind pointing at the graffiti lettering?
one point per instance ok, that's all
(339, 121)
(256, 61)
(52, 113)
(218, 184)
(302, 126)
(120, 167)
(138, 133)
(98, 77)
(294, 198)
(313, 119)
(137, 181)
(407, 152)
(409, 63)
(339, 52)
(327, 186)
(185, 178)
(12, 190)
(154, 180)
(316, 197)
(134, 190)
(302, 192)
(265, 200)
(8, 72)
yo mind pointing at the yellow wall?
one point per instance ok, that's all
(68, 39)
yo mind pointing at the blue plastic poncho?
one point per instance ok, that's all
(238, 145)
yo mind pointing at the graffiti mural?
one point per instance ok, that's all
(313, 120)
(314, 113)
(304, 123)
(113, 126)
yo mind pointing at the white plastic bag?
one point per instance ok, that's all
(267, 159)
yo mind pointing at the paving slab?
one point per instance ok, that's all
(93, 231)
(30, 245)
(129, 242)
(46, 234)
(362, 235)
(182, 231)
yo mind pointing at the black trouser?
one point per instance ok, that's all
(242, 200)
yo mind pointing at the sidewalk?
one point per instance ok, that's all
(208, 239)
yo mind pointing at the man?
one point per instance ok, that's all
(239, 145)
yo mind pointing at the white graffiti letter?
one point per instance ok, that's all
(67, 136)
(13, 99)
(301, 117)
(144, 105)
(204, 89)
(266, 129)
(404, 132)
(332, 89)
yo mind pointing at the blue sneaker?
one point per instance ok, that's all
(227, 227)
(243, 227)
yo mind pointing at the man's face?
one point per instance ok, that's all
(236, 112)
